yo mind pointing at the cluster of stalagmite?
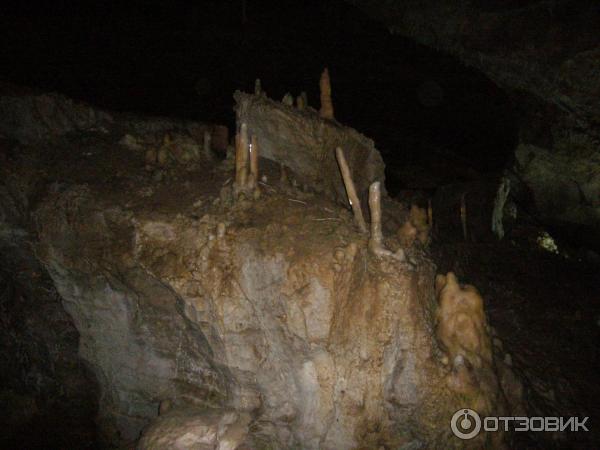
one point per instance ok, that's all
(246, 161)
(417, 227)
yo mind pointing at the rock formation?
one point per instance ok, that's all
(248, 323)
(306, 144)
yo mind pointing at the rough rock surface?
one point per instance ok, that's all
(247, 323)
(306, 143)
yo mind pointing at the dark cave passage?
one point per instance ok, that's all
(434, 120)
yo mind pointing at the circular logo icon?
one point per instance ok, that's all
(465, 424)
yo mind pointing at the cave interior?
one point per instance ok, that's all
(152, 291)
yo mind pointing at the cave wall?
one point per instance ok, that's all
(304, 142)
(546, 54)
(209, 317)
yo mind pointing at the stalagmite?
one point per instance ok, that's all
(376, 240)
(304, 98)
(300, 103)
(326, 104)
(461, 323)
(253, 179)
(246, 162)
(241, 159)
(350, 190)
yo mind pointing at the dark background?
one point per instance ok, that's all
(185, 59)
